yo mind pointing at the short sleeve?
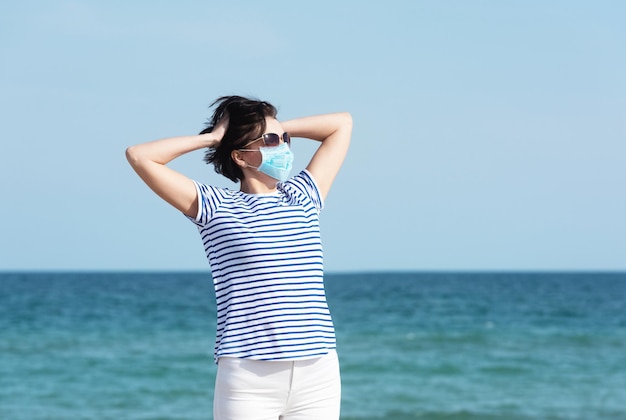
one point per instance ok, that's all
(209, 199)
(306, 185)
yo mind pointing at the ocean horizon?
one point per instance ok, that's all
(412, 345)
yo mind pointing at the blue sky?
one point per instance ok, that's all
(488, 135)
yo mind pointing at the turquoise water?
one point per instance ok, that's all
(412, 346)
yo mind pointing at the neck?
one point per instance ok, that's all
(258, 186)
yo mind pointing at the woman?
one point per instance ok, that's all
(275, 345)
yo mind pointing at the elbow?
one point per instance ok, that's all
(132, 155)
(347, 120)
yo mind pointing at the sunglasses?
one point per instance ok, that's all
(271, 139)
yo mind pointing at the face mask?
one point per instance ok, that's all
(276, 161)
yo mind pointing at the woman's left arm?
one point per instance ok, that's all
(334, 132)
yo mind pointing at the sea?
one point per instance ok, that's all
(457, 345)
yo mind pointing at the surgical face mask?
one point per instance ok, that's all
(276, 161)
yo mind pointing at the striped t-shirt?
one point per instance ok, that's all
(266, 261)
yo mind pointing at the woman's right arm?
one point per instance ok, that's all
(150, 160)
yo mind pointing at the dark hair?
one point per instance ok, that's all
(246, 122)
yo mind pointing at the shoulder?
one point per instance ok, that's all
(210, 190)
(303, 186)
(210, 199)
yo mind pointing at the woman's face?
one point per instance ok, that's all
(253, 158)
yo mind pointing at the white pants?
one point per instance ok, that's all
(271, 390)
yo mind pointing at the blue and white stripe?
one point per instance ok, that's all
(266, 261)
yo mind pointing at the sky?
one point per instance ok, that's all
(488, 135)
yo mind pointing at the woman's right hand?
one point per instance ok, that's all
(219, 131)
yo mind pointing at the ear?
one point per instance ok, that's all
(237, 157)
